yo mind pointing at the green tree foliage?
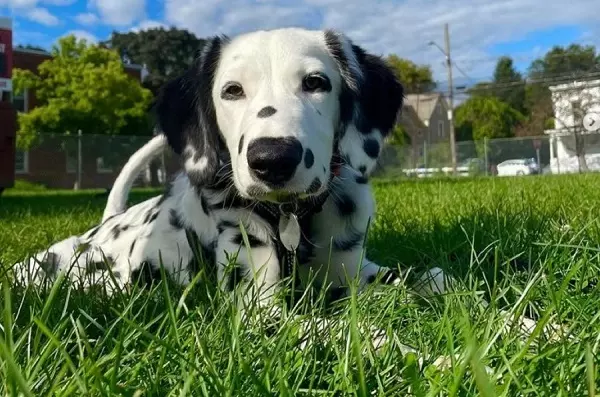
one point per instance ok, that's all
(165, 52)
(507, 85)
(83, 87)
(511, 86)
(398, 136)
(486, 117)
(572, 61)
(415, 78)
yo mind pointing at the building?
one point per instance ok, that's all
(425, 119)
(49, 163)
(571, 103)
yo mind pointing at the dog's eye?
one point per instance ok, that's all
(232, 91)
(316, 82)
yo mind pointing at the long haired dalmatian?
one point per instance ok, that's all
(277, 131)
(257, 121)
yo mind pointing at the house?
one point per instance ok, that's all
(425, 119)
(50, 163)
(576, 106)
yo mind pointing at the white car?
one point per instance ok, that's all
(517, 167)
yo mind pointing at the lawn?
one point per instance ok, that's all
(530, 245)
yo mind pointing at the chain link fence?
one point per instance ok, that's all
(547, 154)
(94, 161)
(87, 161)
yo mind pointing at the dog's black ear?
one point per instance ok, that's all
(370, 102)
(185, 113)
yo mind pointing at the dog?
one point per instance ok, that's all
(268, 125)
(278, 131)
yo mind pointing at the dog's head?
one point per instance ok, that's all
(275, 108)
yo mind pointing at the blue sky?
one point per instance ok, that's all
(481, 30)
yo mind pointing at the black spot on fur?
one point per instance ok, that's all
(314, 186)
(151, 216)
(349, 242)
(335, 293)
(131, 247)
(390, 276)
(93, 232)
(236, 276)
(226, 225)
(50, 263)
(116, 231)
(252, 240)
(362, 169)
(345, 205)
(309, 158)
(361, 179)
(93, 267)
(241, 144)
(204, 204)
(371, 148)
(371, 279)
(265, 112)
(175, 220)
(146, 274)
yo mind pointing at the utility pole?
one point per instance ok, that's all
(450, 98)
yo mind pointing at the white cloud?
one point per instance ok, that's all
(42, 16)
(393, 26)
(59, 2)
(148, 24)
(83, 35)
(87, 18)
(119, 12)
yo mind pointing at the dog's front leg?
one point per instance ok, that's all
(254, 265)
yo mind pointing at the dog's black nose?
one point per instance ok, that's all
(274, 160)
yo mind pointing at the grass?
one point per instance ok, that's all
(530, 245)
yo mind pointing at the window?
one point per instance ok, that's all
(440, 128)
(21, 162)
(20, 102)
(102, 167)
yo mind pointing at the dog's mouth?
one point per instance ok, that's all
(277, 196)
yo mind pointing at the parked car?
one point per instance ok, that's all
(514, 167)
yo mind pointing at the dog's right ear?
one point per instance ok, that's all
(185, 113)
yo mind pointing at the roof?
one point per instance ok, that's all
(574, 85)
(47, 54)
(423, 104)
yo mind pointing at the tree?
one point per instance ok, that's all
(414, 78)
(486, 117)
(507, 85)
(165, 52)
(574, 61)
(511, 86)
(82, 87)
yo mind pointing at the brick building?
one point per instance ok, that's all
(48, 163)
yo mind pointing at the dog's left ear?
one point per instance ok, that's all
(186, 115)
(370, 102)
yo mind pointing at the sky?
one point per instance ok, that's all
(480, 30)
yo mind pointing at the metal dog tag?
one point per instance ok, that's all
(289, 231)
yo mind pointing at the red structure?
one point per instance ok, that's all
(46, 164)
(7, 113)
